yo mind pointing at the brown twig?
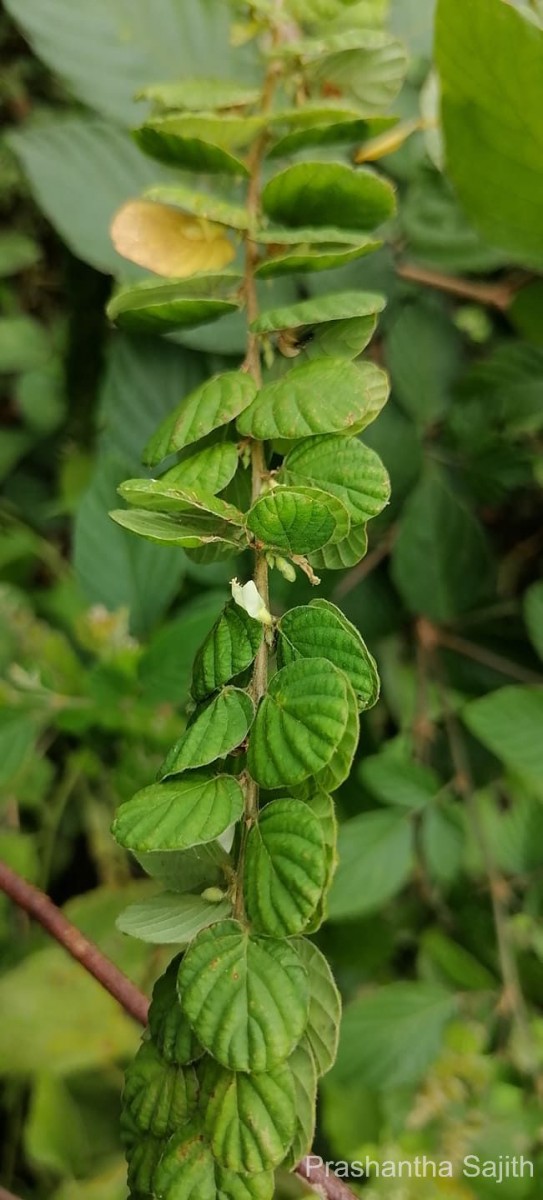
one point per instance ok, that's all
(5, 1195)
(487, 658)
(492, 295)
(322, 1180)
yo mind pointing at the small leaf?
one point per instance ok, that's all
(320, 193)
(285, 868)
(165, 241)
(330, 131)
(299, 724)
(290, 521)
(160, 139)
(322, 1031)
(159, 1095)
(229, 649)
(249, 1119)
(368, 64)
(189, 531)
(336, 307)
(259, 982)
(156, 495)
(214, 403)
(325, 396)
(390, 1037)
(154, 307)
(349, 552)
(210, 469)
(200, 204)
(375, 861)
(199, 93)
(230, 131)
(306, 257)
(302, 1067)
(319, 630)
(213, 733)
(168, 1025)
(176, 816)
(337, 770)
(170, 918)
(344, 467)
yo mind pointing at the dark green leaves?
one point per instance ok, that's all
(296, 522)
(339, 306)
(216, 730)
(320, 397)
(177, 815)
(285, 868)
(154, 307)
(259, 984)
(215, 403)
(317, 193)
(319, 630)
(249, 1119)
(158, 1095)
(189, 143)
(228, 650)
(344, 467)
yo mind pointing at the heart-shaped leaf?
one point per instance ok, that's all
(324, 193)
(188, 531)
(177, 815)
(214, 403)
(299, 724)
(168, 1025)
(322, 1030)
(159, 1095)
(229, 648)
(168, 242)
(344, 467)
(339, 306)
(285, 868)
(327, 396)
(154, 307)
(292, 521)
(319, 630)
(250, 1120)
(216, 730)
(170, 918)
(245, 996)
(302, 1067)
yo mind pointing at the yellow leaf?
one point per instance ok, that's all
(387, 143)
(169, 242)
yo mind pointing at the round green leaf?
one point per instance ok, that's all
(299, 724)
(186, 1168)
(189, 531)
(229, 649)
(249, 1119)
(210, 469)
(347, 553)
(325, 396)
(177, 815)
(214, 403)
(216, 730)
(323, 193)
(168, 1025)
(291, 521)
(158, 1094)
(322, 1031)
(159, 140)
(245, 996)
(285, 868)
(344, 467)
(319, 630)
(337, 307)
(155, 307)
(338, 769)
(200, 204)
(302, 1067)
(170, 918)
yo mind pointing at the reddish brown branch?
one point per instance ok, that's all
(493, 295)
(39, 906)
(311, 1169)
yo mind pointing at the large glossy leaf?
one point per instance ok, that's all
(153, 307)
(168, 1025)
(159, 1095)
(214, 732)
(249, 1119)
(302, 1067)
(189, 531)
(320, 630)
(300, 723)
(229, 649)
(344, 467)
(338, 306)
(201, 204)
(309, 193)
(170, 918)
(295, 522)
(259, 984)
(178, 815)
(375, 860)
(319, 397)
(390, 1037)
(322, 1031)
(215, 403)
(493, 130)
(508, 722)
(285, 868)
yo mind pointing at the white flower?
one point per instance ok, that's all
(249, 598)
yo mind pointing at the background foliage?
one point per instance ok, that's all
(434, 929)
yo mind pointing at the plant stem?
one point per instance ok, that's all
(492, 295)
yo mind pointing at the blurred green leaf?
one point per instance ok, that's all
(423, 355)
(508, 722)
(390, 1036)
(375, 860)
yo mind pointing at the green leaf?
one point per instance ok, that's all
(375, 861)
(178, 815)
(187, 1168)
(330, 130)
(337, 770)
(339, 339)
(164, 670)
(200, 93)
(346, 553)
(186, 870)
(249, 1119)
(159, 139)
(323, 807)
(323, 1024)
(499, 180)
(344, 467)
(259, 982)
(229, 649)
(210, 469)
(325, 396)
(168, 1025)
(423, 354)
(369, 65)
(299, 724)
(143, 1155)
(18, 252)
(508, 722)
(293, 521)
(399, 781)
(440, 561)
(214, 732)
(23, 344)
(214, 403)
(201, 204)
(285, 868)
(319, 630)
(390, 1037)
(338, 306)
(302, 1067)
(301, 195)
(154, 307)
(533, 615)
(188, 531)
(442, 842)
(307, 258)
(155, 495)
(160, 1096)
(438, 231)
(170, 918)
